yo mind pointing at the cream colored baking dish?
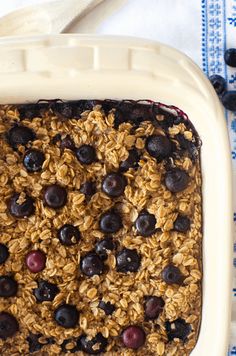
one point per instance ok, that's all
(74, 66)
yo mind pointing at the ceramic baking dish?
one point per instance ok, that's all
(74, 66)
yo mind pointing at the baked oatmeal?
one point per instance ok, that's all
(100, 229)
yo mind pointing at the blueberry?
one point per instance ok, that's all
(131, 161)
(64, 348)
(218, 82)
(21, 209)
(107, 307)
(158, 146)
(95, 345)
(186, 145)
(133, 337)
(68, 235)
(182, 223)
(177, 329)
(35, 261)
(103, 246)
(176, 180)
(92, 264)
(34, 344)
(119, 118)
(63, 109)
(114, 184)
(55, 196)
(4, 253)
(153, 306)
(229, 100)
(33, 160)
(145, 224)
(172, 275)
(20, 135)
(46, 291)
(8, 325)
(230, 57)
(8, 287)
(88, 188)
(110, 222)
(66, 316)
(127, 260)
(86, 154)
(68, 143)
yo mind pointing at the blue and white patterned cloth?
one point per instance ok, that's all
(203, 29)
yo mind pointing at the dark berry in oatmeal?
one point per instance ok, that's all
(133, 337)
(177, 329)
(88, 188)
(68, 235)
(21, 208)
(45, 291)
(4, 253)
(107, 307)
(35, 261)
(20, 135)
(114, 184)
(103, 246)
(68, 143)
(8, 287)
(33, 160)
(93, 345)
(127, 260)
(158, 146)
(172, 275)
(176, 180)
(92, 264)
(131, 161)
(8, 325)
(182, 223)
(153, 306)
(66, 316)
(55, 196)
(145, 224)
(110, 222)
(86, 154)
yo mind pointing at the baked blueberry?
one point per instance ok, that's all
(153, 306)
(107, 307)
(182, 223)
(103, 246)
(68, 235)
(8, 287)
(8, 325)
(86, 154)
(114, 184)
(46, 291)
(20, 135)
(95, 345)
(172, 275)
(110, 222)
(88, 188)
(92, 264)
(21, 209)
(133, 337)
(218, 82)
(158, 146)
(66, 316)
(230, 57)
(4, 253)
(176, 180)
(145, 224)
(28, 111)
(63, 109)
(229, 100)
(34, 344)
(55, 196)
(127, 260)
(68, 143)
(177, 329)
(35, 261)
(131, 161)
(33, 160)
(64, 348)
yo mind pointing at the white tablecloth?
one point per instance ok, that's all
(203, 29)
